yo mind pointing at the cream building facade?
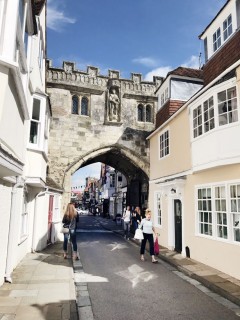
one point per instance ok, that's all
(195, 185)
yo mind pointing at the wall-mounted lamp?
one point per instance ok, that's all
(173, 191)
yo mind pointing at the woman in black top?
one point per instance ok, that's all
(136, 218)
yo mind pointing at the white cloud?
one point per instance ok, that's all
(161, 71)
(146, 61)
(193, 62)
(56, 18)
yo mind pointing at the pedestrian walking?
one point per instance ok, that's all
(69, 221)
(127, 221)
(136, 218)
(148, 231)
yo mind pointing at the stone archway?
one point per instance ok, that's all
(122, 159)
(106, 128)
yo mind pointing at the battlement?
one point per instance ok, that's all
(70, 75)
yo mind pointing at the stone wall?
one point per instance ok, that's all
(77, 139)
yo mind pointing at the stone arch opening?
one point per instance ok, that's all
(124, 161)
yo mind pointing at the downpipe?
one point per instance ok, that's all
(11, 231)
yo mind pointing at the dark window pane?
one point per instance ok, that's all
(75, 105)
(84, 106)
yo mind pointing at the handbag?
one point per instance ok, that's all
(156, 247)
(138, 234)
(65, 229)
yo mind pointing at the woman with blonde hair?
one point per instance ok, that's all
(148, 231)
(69, 221)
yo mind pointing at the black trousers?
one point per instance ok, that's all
(149, 237)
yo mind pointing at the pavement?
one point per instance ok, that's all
(46, 286)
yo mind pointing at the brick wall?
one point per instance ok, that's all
(170, 107)
(224, 58)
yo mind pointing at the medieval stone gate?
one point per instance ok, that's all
(98, 118)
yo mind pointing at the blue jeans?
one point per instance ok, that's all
(73, 238)
(126, 228)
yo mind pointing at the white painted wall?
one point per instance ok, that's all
(218, 22)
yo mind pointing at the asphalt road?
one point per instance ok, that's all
(121, 287)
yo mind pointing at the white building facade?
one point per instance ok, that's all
(26, 204)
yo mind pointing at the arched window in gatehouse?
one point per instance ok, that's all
(75, 104)
(140, 112)
(148, 113)
(84, 106)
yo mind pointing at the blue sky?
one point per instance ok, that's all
(150, 37)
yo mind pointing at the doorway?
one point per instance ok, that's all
(178, 225)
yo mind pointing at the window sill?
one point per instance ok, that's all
(38, 150)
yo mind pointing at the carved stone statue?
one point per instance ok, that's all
(113, 105)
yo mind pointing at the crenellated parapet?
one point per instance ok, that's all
(92, 79)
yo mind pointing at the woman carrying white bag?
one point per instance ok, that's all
(147, 235)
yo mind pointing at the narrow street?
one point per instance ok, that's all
(123, 287)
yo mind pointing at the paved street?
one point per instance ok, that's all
(121, 286)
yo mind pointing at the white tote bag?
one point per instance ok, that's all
(138, 234)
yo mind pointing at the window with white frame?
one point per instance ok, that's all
(208, 115)
(227, 106)
(218, 110)
(235, 210)
(164, 144)
(158, 208)
(221, 212)
(218, 211)
(205, 211)
(35, 125)
(217, 40)
(24, 27)
(227, 27)
(197, 121)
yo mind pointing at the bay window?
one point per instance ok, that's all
(218, 110)
(218, 211)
